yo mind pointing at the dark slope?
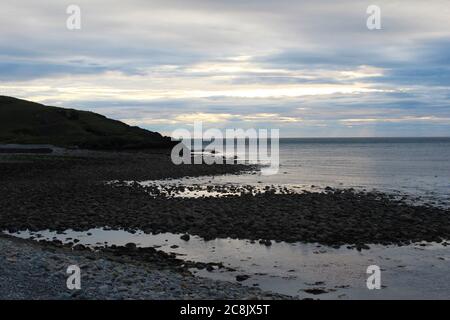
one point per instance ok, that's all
(26, 122)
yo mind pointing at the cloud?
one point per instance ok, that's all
(395, 120)
(300, 65)
(211, 118)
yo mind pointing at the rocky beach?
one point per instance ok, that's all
(38, 271)
(82, 190)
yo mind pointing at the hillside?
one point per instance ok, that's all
(26, 122)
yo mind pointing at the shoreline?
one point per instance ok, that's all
(69, 192)
(332, 217)
(36, 271)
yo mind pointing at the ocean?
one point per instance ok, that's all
(417, 167)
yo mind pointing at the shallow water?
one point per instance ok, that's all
(412, 166)
(408, 272)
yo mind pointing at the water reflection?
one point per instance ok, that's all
(415, 271)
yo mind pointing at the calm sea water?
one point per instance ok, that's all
(414, 166)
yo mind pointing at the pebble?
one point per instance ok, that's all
(23, 279)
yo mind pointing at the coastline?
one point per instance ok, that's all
(37, 271)
(74, 192)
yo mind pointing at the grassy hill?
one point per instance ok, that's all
(26, 122)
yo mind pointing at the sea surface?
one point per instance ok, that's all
(411, 166)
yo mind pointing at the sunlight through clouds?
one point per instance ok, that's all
(266, 63)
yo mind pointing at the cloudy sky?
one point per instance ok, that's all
(309, 68)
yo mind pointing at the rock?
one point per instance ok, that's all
(185, 237)
(131, 246)
(361, 246)
(200, 265)
(267, 243)
(315, 291)
(79, 247)
(242, 277)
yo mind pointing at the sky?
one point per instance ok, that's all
(308, 68)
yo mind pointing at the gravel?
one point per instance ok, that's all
(334, 217)
(32, 271)
(71, 193)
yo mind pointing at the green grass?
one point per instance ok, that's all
(26, 122)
